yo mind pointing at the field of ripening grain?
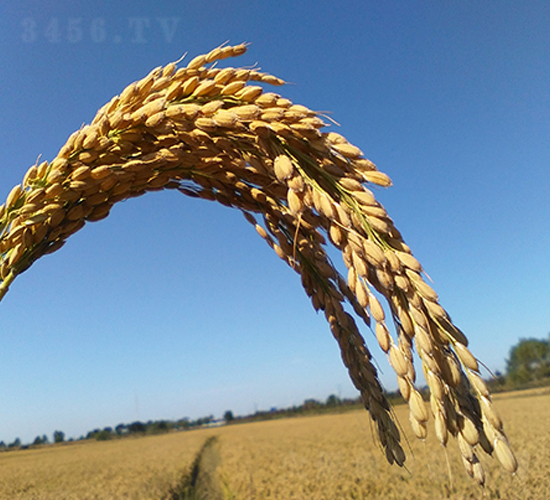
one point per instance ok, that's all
(318, 457)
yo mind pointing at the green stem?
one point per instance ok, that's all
(4, 287)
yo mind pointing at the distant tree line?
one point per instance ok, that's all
(528, 365)
(529, 362)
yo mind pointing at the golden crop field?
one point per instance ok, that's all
(320, 457)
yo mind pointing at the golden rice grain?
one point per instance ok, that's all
(197, 62)
(233, 87)
(397, 361)
(419, 428)
(418, 407)
(404, 387)
(490, 413)
(466, 356)
(469, 431)
(283, 167)
(348, 150)
(505, 456)
(246, 112)
(14, 195)
(382, 336)
(377, 177)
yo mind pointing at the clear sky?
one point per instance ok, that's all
(174, 307)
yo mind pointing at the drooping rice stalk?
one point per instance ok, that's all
(214, 133)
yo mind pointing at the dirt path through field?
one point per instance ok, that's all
(202, 482)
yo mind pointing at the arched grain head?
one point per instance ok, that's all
(226, 144)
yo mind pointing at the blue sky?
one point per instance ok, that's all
(174, 307)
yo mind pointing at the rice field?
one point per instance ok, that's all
(318, 457)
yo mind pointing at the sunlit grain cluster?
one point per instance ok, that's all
(216, 134)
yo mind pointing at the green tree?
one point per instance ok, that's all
(529, 360)
(58, 437)
(121, 429)
(137, 427)
(15, 444)
(103, 435)
(228, 416)
(333, 400)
